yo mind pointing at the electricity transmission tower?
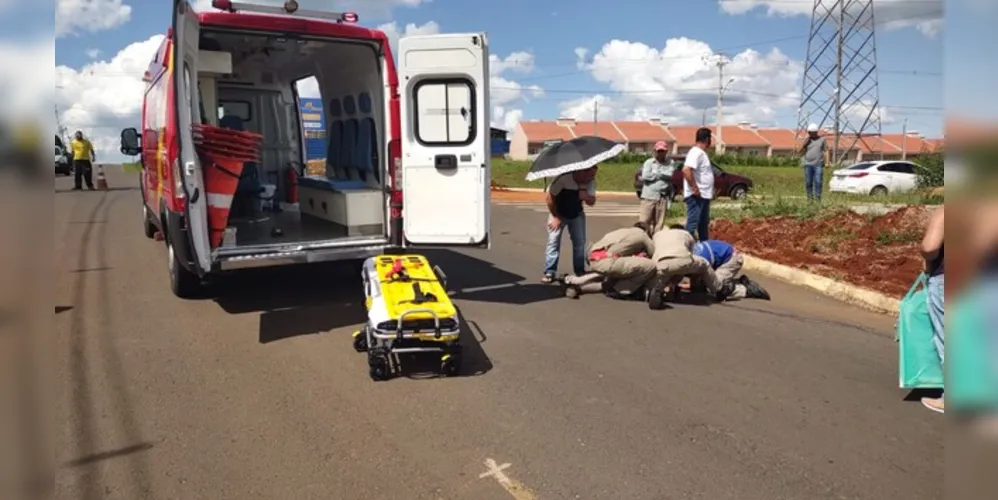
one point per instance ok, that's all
(840, 87)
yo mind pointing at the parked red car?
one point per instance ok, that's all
(733, 186)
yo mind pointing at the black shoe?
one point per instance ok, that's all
(656, 298)
(572, 291)
(726, 290)
(755, 291)
(744, 280)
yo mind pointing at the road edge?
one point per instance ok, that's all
(852, 294)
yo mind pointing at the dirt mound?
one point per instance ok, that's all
(879, 253)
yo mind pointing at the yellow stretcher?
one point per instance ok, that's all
(408, 311)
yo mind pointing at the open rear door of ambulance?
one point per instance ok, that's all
(186, 33)
(446, 140)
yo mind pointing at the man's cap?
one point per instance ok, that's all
(812, 127)
(661, 146)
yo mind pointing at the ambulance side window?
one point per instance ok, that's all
(444, 112)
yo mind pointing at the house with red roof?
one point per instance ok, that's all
(530, 137)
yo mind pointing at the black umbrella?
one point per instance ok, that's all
(574, 155)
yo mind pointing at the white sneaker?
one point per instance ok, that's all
(935, 404)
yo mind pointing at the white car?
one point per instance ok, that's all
(875, 178)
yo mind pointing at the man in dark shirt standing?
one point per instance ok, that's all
(565, 198)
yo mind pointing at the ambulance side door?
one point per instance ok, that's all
(186, 30)
(446, 140)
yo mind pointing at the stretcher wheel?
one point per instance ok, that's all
(450, 364)
(379, 367)
(360, 340)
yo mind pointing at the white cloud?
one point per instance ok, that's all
(676, 84)
(103, 97)
(924, 15)
(76, 16)
(505, 92)
(93, 53)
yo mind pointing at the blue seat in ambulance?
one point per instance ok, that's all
(349, 138)
(366, 152)
(337, 173)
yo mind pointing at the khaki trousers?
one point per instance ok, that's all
(653, 213)
(629, 274)
(675, 268)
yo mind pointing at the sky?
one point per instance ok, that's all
(629, 59)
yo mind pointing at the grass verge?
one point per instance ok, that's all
(770, 182)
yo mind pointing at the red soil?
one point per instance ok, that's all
(878, 253)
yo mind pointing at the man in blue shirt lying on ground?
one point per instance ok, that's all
(727, 263)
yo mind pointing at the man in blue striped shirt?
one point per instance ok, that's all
(727, 263)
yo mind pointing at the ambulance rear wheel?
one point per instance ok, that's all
(183, 283)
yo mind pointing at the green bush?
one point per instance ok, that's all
(755, 160)
(929, 169)
(721, 159)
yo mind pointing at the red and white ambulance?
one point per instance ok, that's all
(407, 165)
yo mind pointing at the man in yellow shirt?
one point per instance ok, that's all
(83, 156)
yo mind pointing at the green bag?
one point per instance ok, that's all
(973, 351)
(919, 366)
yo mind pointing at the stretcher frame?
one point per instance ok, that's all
(384, 345)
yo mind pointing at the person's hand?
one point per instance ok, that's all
(554, 223)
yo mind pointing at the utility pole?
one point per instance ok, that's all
(720, 60)
(904, 140)
(595, 117)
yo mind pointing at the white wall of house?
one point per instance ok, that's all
(518, 144)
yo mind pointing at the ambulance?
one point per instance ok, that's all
(407, 157)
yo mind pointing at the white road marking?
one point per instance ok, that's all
(606, 209)
(514, 488)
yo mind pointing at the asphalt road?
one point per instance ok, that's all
(257, 393)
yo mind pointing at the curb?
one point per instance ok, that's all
(867, 299)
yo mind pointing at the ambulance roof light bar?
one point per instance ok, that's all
(290, 7)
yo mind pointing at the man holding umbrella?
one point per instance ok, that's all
(565, 198)
(572, 164)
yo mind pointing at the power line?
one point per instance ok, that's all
(625, 62)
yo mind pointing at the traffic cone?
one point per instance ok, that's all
(101, 180)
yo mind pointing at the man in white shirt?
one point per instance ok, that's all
(698, 186)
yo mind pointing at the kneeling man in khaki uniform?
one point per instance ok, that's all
(674, 259)
(619, 265)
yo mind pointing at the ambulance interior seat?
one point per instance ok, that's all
(349, 139)
(339, 161)
(364, 158)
